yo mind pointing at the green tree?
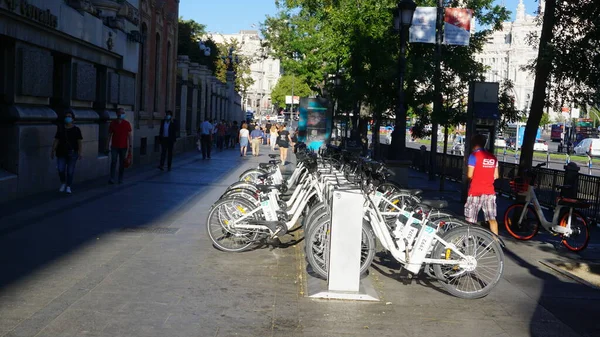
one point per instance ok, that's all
(284, 88)
(506, 105)
(545, 119)
(568, 47)
(357, 38)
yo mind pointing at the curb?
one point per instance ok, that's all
(578, 279)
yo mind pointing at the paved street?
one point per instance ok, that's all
(135, 260)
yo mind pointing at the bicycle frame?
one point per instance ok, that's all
(553, 227)
(400, 251)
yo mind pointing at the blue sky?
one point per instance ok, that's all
(231, 16)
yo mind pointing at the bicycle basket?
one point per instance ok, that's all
(519, 186)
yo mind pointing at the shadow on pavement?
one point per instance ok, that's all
(30, 243)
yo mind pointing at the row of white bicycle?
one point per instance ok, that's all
(262, 207)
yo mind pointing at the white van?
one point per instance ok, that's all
(588, 145)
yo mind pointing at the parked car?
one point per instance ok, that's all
(540, 145)
(500, 143)
(588, 145)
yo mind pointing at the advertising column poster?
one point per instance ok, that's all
(314, 127)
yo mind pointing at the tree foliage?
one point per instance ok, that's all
(567, 69)
(284, 88)
(191, 33)
(355, 38)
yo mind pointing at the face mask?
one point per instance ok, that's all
(68, 120)
(122, 116)
(168, 117)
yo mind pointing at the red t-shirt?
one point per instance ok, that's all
(119, 133)
(484, 164)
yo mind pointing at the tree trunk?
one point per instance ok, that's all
(375, 134)
(443, 178)
(542, 74)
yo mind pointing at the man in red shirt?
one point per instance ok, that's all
(119, 139)
(482, 171)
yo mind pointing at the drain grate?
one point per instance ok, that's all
(152, 230)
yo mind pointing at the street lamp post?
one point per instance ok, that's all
(402, 22)
(295, 57)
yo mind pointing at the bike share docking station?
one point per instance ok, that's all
(344, 278)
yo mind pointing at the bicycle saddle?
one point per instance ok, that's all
(267, 188)
(266, 165)
(434, 203)
(413, 192)
(273, 155)
(574, 203)
(275, 162)
(264, 176)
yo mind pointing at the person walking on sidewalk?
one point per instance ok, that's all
(256, 137)
(168, 136)
(221, 131)
(233, 134)
(274, 136)
(67, 149)
(244, 134)
(119, 136)
(206, 134)
(283, 142)
(482, 172)
(227, 134)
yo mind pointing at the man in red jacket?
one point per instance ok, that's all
(482, 172)
(120, 139)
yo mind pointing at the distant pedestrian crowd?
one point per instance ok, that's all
(68, 143)
(227, 135)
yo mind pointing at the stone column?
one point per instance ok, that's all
(205, 94)
(195, 78)
(183, 64)
(230, 94)
(213, 97)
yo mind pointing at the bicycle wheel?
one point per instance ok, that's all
(475, 276)
(444, 224)
(525, 229)
(580, 236)
(317, 247)
(388, 187)
(251, 175)
(244, 185)
(219, 225)
(241, 193)
(310, 218)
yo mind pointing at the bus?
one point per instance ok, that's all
(557, 132)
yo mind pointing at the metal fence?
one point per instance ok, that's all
(547, 180)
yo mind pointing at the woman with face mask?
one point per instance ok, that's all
(67, 150)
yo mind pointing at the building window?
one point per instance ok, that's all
(157, 72)
(270, 67)
(143, 49)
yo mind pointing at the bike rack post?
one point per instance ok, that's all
(345, 241)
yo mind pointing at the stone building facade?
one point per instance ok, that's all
(156, 80)
(59, 54)
(265, 70)
(200, 96)
(508, 51)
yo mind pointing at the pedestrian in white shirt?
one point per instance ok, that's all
(206, 134)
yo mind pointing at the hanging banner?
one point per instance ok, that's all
(423, 25)
(457, 26)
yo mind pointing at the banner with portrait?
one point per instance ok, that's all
(314, 126)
